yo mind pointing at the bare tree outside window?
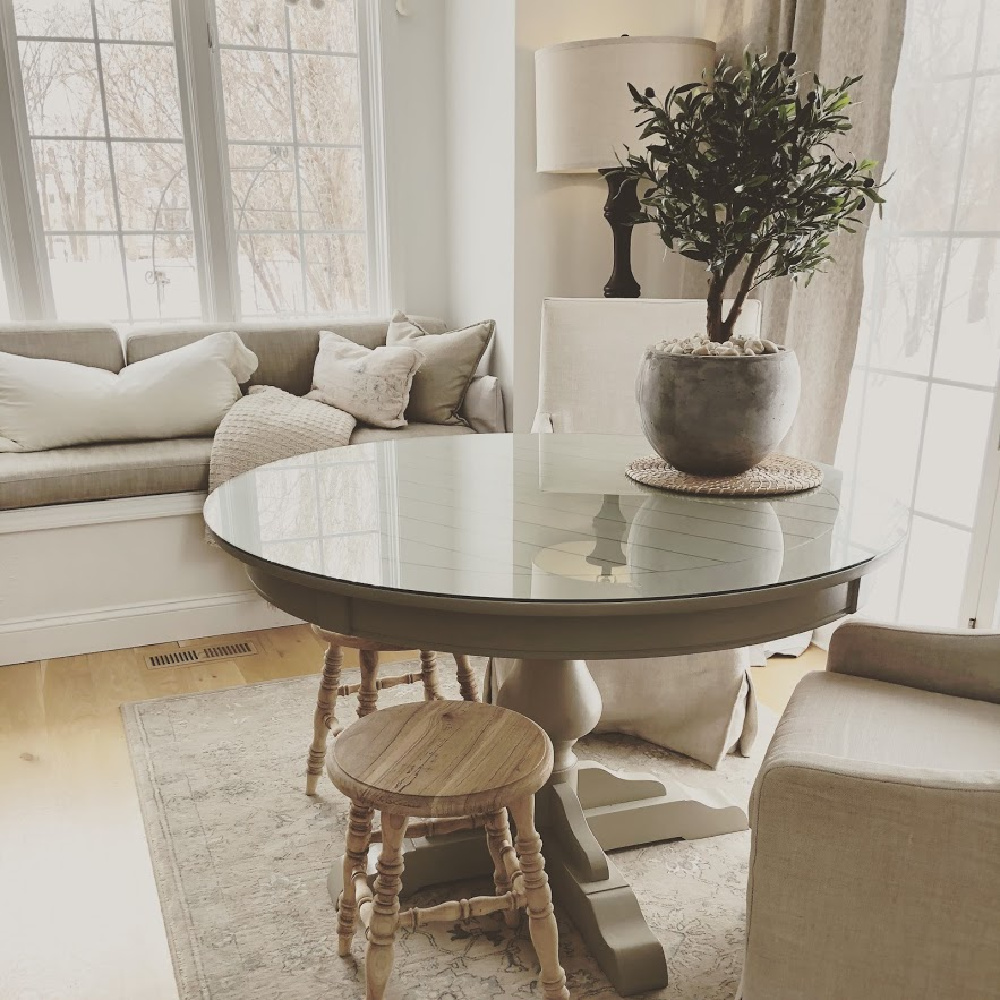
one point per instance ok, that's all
(104, 122)
(291, 88)
(103, 107)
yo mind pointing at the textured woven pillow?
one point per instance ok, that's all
(451, 360)
(184, 393)
(373, 386)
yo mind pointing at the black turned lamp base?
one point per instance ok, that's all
(620, 210)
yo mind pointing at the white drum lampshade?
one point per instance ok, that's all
(584, 111)
(585, 117)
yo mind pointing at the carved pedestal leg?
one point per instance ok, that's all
(498, 841)
(325, 718)
(541, 919)
(355, 862)
(428, 674)
(382, 930)
(562, 697)
(466, 678)
(368, 692)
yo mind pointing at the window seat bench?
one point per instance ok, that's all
(103, 546)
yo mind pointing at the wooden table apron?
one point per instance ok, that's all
(585, 810)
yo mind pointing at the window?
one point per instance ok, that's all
(188, 158)
(296, 170)
(103, 114)
(924, 382)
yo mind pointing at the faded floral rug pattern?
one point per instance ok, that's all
(241, 856)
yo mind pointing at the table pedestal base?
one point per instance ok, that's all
(584, 810)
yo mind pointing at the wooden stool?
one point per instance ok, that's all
(325, 718)
(463, 764)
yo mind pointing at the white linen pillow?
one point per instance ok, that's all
(371, 385)
(184, 393)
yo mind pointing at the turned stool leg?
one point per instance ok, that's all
(325, 718)
(368, 693)
(466, 678)
(541, 919)
(498, 841)
(382, 929)
(428, 674)
(359, 833)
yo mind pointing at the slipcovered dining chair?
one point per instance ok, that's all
(875, 859)
(703, 704)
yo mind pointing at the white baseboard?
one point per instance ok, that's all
(101, 629)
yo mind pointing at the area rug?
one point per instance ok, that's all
(241, 856)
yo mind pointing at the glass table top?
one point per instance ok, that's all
(537, 518)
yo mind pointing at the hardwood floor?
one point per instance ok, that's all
(79, 914)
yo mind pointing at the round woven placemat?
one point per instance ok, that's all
(775, 476)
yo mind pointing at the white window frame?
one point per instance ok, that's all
(22, 243)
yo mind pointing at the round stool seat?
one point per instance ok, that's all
(440, 759)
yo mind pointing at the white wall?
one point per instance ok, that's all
(515, 236)
(414, 81)
(479, 45)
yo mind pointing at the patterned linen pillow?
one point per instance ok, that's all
(371, 385)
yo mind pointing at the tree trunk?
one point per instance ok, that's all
(744, 290)
(716, 289)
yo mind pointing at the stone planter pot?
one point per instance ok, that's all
(716, 416)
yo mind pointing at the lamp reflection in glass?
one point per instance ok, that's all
(609, 550)
(587, 557)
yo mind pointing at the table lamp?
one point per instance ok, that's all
(585, 118)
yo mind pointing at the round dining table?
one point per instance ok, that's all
(539, 548)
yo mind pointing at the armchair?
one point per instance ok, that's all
(875, 865)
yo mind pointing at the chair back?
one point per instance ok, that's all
(590, 355)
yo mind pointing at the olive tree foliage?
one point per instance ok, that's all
(287, 199)
(741, 173)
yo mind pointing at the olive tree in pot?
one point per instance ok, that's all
(740, 175)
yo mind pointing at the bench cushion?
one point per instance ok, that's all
(135, 469)
(365, 435)
(104, 471)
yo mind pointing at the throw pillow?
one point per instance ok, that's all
(371, 385)
(184, 393)
(451, 360)
(226, 346)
